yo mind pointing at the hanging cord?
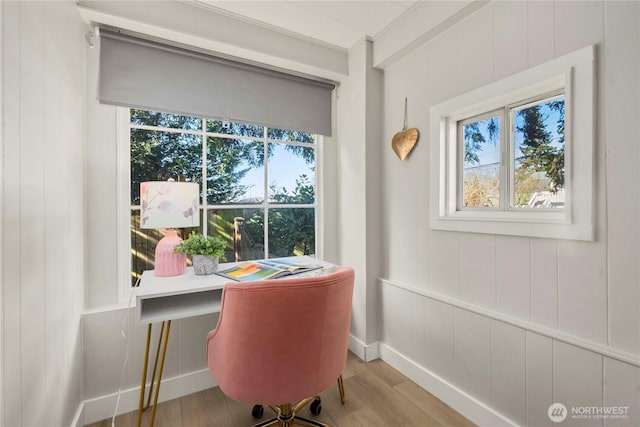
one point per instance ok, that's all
(404, 125)
(123, 326)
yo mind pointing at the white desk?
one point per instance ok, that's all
(170, 298)
(163, 299)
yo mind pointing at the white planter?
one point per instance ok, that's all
(203, 265)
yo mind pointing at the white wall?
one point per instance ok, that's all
(359, 195)
(44, 81)
(518, 323)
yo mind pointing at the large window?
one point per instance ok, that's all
(515, 157)
(258, 185)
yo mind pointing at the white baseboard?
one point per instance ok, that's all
(467, 405)
(366, 352)
(78, 418)
(102, 407)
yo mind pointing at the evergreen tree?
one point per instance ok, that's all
(538, 152)
(474, 138)
(161, 155)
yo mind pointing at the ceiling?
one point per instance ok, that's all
(338, 23)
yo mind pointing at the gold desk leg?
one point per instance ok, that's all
(164, 353)
(155, 367)
(343, 398)
(143, 382)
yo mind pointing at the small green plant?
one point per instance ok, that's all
(198, 244)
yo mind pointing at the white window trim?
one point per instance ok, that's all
(573, 73)
(123, 207)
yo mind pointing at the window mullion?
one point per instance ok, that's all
(506, 138)
(265, 191)
(204, 201)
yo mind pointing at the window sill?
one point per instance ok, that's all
(513, 226)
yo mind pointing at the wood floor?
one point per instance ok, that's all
(377, 395)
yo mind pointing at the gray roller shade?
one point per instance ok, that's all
(140, 73)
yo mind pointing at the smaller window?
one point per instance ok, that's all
(516, 157)
(533, 175)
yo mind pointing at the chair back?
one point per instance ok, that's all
(281, 340)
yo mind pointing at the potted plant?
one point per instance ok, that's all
(205, 252)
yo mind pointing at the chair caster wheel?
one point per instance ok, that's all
(257, 411)
(316, 406)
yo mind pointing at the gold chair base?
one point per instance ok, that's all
(343, 397)
(286, 416)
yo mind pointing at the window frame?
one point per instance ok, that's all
(125, 208)
(573, 74)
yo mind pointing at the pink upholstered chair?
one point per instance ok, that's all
(281, 342)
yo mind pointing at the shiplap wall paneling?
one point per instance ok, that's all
(539, 379)
(577, 24)
(417, 350)
(510, 43)
(508, 371)
(439, 86)
(622, 390)
(582, 290)
(623, 156)
(472, 354)
(32, 256)
(44, 128)
(544, 282)
(396, 312)
(192, 345)
(513, 276)
(477, 263)
(104, 352)
(540, 31)
(11, 217)
(577, 381)
(443, 261)
(475, 50)
(439, 330)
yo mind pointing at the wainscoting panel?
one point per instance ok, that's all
(622, 389)
(439, 338)
(578, 379)
(493, 367)
(396, 310)
(508, 371)
(539, 378)
(472, 354)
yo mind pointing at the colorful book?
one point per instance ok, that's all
(247, 271)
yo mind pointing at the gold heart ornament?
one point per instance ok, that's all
(404, 141)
